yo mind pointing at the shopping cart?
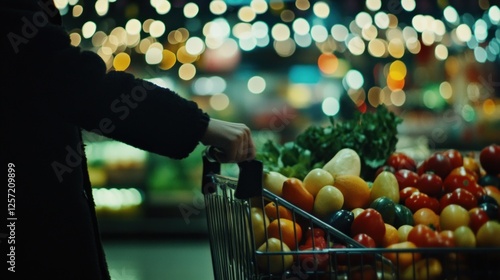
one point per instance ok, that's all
(236, 255)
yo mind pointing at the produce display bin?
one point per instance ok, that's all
(235, 254)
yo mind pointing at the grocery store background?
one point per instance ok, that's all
(279, 66)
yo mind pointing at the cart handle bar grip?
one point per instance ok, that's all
(249, 179)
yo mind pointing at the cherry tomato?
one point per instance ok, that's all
(458, 178)
(406, 178)
(426, 217)
(455, 157)
(477, 218)
(405, 193)
(489, 158)
(370, 222)
(463, 171)
(430, 184)
(423, 236)
(475, 189)
(422, 167)
(419, 200)
(463, 198)
(447, 238)
(471, 164)
(400, 160)
(444, 201)
(365, 240)
(439, 164)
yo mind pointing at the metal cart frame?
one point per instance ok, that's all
(235, 256)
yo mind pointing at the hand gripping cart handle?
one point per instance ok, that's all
(241, 240)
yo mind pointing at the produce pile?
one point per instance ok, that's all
(449, 200)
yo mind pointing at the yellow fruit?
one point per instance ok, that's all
(391, 236)
(273, 182)
(355, 190)
(345, 162)
(259, 224)
(403, 232)
(385, 184)
(328, 200)
(274, 263)
(316, 179)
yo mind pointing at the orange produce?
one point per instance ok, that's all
(426, 217)
(274, 212)
(401, 259)
(355, 190)
(295, 193)
(391, 235)
(472, 165)
(285, 230)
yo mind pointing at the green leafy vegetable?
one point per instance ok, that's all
(373, 135)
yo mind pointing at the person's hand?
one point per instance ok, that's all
(234, 140)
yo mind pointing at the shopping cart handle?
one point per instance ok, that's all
(249, 179)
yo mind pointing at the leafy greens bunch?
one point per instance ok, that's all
(373, 135)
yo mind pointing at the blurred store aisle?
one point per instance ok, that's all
(176, 259)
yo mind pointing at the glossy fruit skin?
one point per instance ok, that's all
(430, 184)
(406, 178)
(365, 240)
(385, 168)
(490, 209)
(386, 207)
(453, 216)
(424, 236)
(294, 192)
(489, 158)
(478, 217)
(342, 220)
(401, 161)
(438, 164)
(487, 235)
(489, 180)
(370, 222)
(405, 193)
(403, 216)
(458, 178)
(419, 200)
(455, 157)
(426, 217)
(463, 198)
(287, 231)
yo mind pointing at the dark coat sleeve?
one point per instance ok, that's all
(114, 104)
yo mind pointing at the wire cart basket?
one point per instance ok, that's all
(237, 252)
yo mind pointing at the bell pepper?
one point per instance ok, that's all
(314, 241)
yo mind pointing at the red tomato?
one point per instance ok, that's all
(444, 201)
(430, 184)
(455, 157)
(405, 193)
(489, 158)
(422, 167)
(370, 222)
(406, 178)
(365, 240)
(447, 238)
(477, 218)
(438, 164)
(476, 189)
(463, 198)
(457, 179)
(401, 161)
(419, 200)
(423, 236)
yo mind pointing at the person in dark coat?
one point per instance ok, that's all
(52, 90)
